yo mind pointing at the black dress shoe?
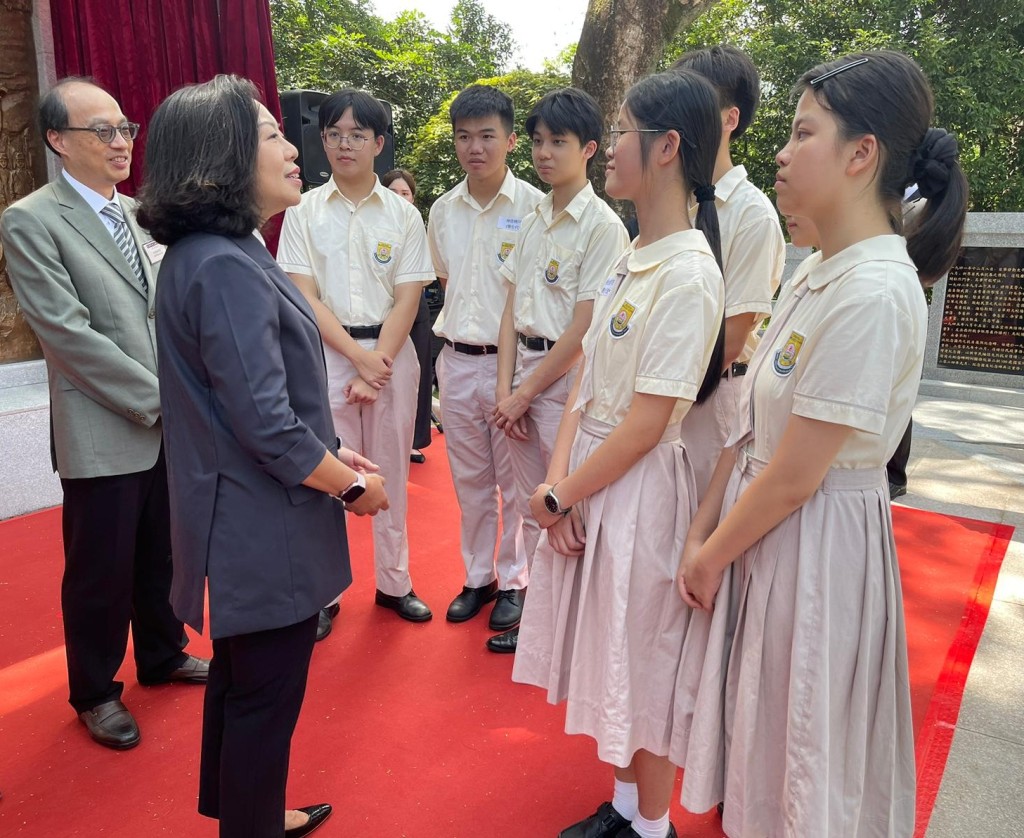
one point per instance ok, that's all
(417, 457)
(317, 815)
(604, 823)
(468, 604)
(504, 643)
(629, 832)
(112, 725)
(193, 671)
(324, 622)
(897, 490)
(409, 607)
(507, 611)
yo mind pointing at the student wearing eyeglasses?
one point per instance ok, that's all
(358, 252)
(85, 275)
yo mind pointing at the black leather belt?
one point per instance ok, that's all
(363, 332)
(472, 348)
(736, 370)
(541, 344)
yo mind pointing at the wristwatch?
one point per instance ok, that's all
(551, 503)
(355, 490)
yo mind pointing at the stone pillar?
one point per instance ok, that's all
(22, 167)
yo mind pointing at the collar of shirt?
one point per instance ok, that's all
(91, 196)
(575, 207)
(332, 190)
(508, 190)
(652, 255)
(890, 248)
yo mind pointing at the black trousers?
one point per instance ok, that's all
(257, 683)
(420, 335)
(117, 573)
(897, 466)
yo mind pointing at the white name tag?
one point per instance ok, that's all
(154, 251)
(512, 225)
(609, 286)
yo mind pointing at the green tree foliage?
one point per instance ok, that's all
(971, 50)
(433, 152)
(328, 44)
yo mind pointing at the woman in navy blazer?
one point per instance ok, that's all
(254, 468)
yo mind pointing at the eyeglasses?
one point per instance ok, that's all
(613, 135)
(106, 133)
(334, 139)
(842, 68)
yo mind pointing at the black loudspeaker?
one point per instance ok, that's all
(300, 110)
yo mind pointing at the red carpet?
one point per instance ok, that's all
(409, 730)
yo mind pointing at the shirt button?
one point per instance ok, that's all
(152, 314)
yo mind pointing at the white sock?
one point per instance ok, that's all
(651, 829)
(624, 799)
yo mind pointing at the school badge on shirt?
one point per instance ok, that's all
(505, 250)
(383, 253)
(551, 274)
(785, 358)
(619, 324)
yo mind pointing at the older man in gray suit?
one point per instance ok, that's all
(85, 275)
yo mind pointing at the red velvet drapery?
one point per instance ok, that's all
(142, 50)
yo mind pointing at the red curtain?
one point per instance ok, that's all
(142, 50)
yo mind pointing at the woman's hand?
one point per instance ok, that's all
(358, 391)
(509, 412)
(567, 535)
(698, 583)
(539, 510)
(374, 367)
(357, 461)
(372, 500)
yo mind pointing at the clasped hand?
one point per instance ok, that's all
(510, 415)
(374, 498)
(374, 367)
(698, 584)
(566, 533)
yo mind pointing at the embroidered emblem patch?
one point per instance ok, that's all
(383, 253)
(619, 324)
(505, 251)
(551, 274)
(785, 358)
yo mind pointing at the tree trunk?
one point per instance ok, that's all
(621, 42)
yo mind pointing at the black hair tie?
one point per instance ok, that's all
(932, 162)
(704, 193)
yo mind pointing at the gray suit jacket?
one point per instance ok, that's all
(246, 420)
(96, 328)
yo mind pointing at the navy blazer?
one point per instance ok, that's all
(243, 391)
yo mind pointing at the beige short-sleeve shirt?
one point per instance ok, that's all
(753, 249)
(356, 253)
(468, 244)
(654, 328)
(845, 345)
(562, 260)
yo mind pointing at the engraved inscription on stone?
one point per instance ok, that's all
(983, 314)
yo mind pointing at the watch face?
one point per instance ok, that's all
(353, 494)
(551, 504)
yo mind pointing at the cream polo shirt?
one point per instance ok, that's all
(562, 260)
(845, 345)
(356, 253)
(654, 327)
(753, 249)
(468, 244)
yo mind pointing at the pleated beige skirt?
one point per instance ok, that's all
(605, 632)
(814, 726)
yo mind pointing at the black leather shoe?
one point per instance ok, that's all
(504, 643)
(896, 490)
(112, 725)
(417, 457)
(629, 832)
(604, 823)
(193, 671)
(468, 604)
(324, 622)
(317, 815)
(507, 611)
(409, 607)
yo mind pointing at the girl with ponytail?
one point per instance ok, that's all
(813, 729)
(603, 627)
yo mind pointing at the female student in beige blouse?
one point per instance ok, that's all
(818, 737)
(603, 627)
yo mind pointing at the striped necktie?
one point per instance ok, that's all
(124, 242)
